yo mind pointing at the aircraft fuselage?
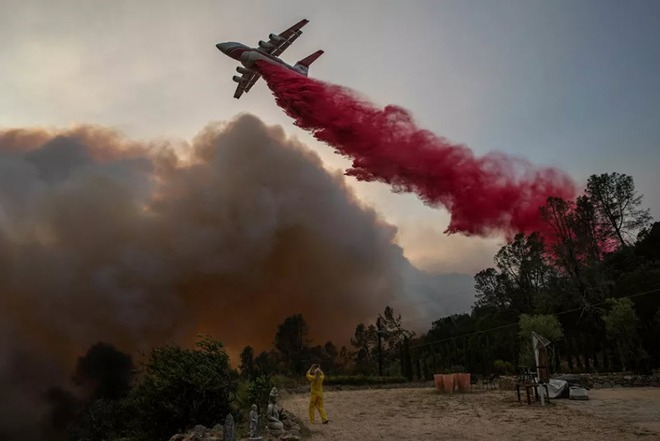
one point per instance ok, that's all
(249, 56)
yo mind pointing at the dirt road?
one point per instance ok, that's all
(421, 414)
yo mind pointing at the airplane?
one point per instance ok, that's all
(268, 51)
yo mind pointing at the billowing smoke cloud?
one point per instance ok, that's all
(106, 239)
(491, 194)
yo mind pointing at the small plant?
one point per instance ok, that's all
(502, 367)
(258, 391)
(456, 369)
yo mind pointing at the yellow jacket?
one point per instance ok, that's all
(317, 383)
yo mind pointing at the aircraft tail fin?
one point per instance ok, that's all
(302, 66)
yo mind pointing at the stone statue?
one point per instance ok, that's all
(254, 423)
(228, 432)
(273, 423)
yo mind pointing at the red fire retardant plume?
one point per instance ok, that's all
(489, 194)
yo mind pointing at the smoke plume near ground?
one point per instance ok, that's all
(495, 193)
(107, 239)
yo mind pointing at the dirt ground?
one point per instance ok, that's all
(421, 414)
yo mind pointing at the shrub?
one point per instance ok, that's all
(503, 367)
(361, 380)
(258, 391)
(181, 388)
(100, 420)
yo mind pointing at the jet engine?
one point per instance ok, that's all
(238, 79)
(276, 37)
(243, 70)
(265, 45)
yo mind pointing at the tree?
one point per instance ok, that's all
(396, 338)
(364, 342)
(344, 359)
(105, 376)
(523, 263)
(266, 364)
(104, 372)
(330, 355)
(492, 290)
(247, 366)
(558, 214)
(545, 325)
(621, 327)
(292, 343)
(182, 387)
(591, 238)
(617, 205)
(100, 420)
(648, 243)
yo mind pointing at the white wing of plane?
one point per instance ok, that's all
(275, 46)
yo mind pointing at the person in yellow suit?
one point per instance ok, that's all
(315, 376)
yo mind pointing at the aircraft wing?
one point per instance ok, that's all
(284, 39)
(247, 81)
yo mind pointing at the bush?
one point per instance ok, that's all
(547, 326)
(258, 391)
(181, 388)
(100, 420)
(456, 369)
(503, 367)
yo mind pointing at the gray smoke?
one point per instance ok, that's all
(106, 239)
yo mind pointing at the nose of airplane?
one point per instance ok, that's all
(222, 47)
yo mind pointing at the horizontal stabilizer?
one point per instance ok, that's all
(309, 59)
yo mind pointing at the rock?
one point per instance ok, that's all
(178, 437)
(578, 393)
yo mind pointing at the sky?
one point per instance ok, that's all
(567, 84)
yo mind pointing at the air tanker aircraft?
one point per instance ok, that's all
(267, 51)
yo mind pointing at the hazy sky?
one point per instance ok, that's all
(571, 84)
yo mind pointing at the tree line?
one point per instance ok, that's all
(589, 283)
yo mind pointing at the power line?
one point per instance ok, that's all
(516, 324)
(398, 305)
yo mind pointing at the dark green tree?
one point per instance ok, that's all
(621, 326)
(247, 367)
(526, 273)
(291, 341)
(617, 205)
(395, 340)
(180, 388)
(365, 344)
(104, 372)
(492, 290)
(545, 325)
(266, 364)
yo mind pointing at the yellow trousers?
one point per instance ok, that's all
(316, 402)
